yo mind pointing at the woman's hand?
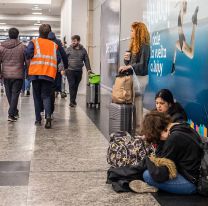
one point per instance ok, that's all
(123, 68)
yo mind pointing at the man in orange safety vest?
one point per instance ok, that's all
(44, 57)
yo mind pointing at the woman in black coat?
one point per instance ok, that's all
(176, 166)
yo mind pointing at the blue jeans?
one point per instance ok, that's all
(27, 84)
(179, 185)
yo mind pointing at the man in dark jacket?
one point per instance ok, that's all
(58, 80)
(12, 60)
(77, 57)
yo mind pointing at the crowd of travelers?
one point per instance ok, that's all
(38, 62)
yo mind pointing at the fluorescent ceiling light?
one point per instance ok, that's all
(37, 24)
(37, 13)
(36, 9)
(2, 23)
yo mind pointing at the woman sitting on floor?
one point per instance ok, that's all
(175, 168)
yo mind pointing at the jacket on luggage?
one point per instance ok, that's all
(12, 59)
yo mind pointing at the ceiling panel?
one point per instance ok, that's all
(18, 13)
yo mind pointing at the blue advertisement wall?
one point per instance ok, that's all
(189, 82)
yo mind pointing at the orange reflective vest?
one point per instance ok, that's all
(44, 61)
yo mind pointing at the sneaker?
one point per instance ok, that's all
(17, 116)
(38, 123)
(12, 119)
(139, 186)
(48, 123)
(27, 93)
(72, 105)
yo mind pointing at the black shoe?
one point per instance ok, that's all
(2, 91)
(17, 116)
(75, 103)
(12, 119)
(48, 123)
(194, 17)
(63, 94)
(38, 123)
(72, 105)
(28, 93)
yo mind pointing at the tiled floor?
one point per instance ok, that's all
(66, 165)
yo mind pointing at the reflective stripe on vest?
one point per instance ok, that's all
(43, 64)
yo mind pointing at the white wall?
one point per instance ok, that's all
(66, 19)
(74, 17)
(96, 36)
(79, 26)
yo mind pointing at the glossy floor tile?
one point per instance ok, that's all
(13, 196)
(79, 189)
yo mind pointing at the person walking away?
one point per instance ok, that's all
(77, 57)
(12, 60)
(42, 71)
(58, 80)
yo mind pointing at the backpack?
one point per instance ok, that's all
(122, 92)
(125, 150)
(202, 186)
(202, 182)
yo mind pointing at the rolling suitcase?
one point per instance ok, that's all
(93, 95)
(122, 118)
(93, 90)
